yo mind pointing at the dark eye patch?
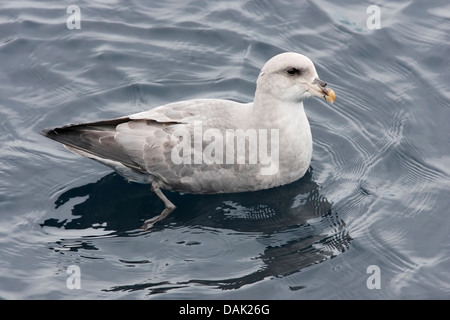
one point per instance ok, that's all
(294, 71)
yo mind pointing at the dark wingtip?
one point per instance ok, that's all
(52, 132)
(47, 132)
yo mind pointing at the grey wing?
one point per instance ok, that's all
(143, 144)
(155, 147)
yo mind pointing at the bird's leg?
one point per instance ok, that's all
(169, 208)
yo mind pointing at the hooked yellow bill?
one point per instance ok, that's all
(330, 96)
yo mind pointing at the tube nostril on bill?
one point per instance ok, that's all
(320, 82)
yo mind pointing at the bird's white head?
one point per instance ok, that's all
(291, 77)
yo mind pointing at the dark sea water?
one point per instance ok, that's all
(376, 195)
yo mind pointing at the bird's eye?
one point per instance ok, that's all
(293, 71)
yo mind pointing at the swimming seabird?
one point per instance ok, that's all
(211, 145)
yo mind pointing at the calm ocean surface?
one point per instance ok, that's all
(376, 196)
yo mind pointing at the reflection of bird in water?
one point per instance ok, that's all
(141, 146)
(296, 224)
